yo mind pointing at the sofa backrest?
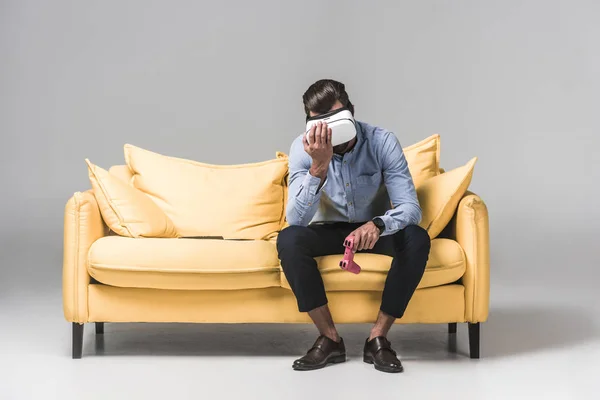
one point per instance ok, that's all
(123, 172)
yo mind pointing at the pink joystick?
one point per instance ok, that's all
(347, 262)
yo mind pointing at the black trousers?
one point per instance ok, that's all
(297, 245)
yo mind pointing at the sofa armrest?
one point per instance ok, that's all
(83, 226)
(470, 228)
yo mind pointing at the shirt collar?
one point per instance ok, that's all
(359, 137)
(359, 134)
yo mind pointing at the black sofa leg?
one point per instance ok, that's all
(452, 327)
(77, 340)
(99, 328)
(474, 340)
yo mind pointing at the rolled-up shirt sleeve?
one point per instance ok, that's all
(401, 189)
(304, 189)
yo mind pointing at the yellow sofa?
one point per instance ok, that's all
(110, 278)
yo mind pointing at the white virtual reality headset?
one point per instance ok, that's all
(341, 123)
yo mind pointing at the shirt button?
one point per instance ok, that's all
(350, 203)
(345, 162)
(309, 203)
(347, 184)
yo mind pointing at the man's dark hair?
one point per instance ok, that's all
(321, 96)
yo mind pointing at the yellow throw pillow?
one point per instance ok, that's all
(122, 172)
(126, 210)
(423, 159)
(439, 197)
(244, 201)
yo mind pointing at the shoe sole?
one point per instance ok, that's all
(333, 360)
(369, 360)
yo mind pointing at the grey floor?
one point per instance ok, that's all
(541, 341)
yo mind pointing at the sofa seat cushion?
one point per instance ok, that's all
(186, 264)
(446, 264)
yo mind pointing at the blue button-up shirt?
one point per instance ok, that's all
(370, 180)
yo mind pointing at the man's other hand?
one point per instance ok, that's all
(365, 236)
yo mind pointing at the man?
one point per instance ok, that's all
(341, 191)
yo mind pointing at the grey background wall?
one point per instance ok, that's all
(513, 82)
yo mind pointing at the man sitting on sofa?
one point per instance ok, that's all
(346, 190)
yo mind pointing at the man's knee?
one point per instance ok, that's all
(413, 237)
(290, 237)
(418, 236)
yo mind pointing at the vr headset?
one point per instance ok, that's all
(341, 123)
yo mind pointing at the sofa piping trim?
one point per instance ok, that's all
(129, 147)
(76, 220)
(436, 268)
(178, 271)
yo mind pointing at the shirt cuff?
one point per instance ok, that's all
(389, 222)
(323, 185)
(312, 183)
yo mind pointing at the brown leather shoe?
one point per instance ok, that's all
(324, 351)
(378, 351)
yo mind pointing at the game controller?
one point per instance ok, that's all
(347, 262)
